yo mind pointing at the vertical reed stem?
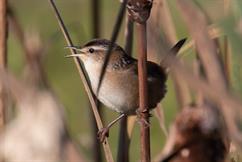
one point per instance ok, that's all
(142, 70)
(123, 146)
(227, 52)
(129, 36)
(95, 12)
(3, 56)
(124, 138)
(106, 147)
(96, 17)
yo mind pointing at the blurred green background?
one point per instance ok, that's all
(62, 73)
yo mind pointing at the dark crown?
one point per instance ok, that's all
(98, 42)
(121, 61)
(102, 42)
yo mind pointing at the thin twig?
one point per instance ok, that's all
(214, 32)
(227, 59)
(114, 36)
(161, 12)
(124, 137)
(182, 91)
(159, 113)
(227, 50)
(205, 46)
(95, 11)
(96, 28)
(3, 56)
(106, 147)
(124, 141)
(143, 96)
(167, 22)
(129, 35)
(199, 100)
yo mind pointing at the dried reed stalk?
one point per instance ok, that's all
(159, 113)
(205, 46)
(95, 12)
(161, 18)
(182, 92)
(199, 100)
(212, 65)
(114, 36)
(214, 32)
(3, 56)
(139, 11)
(227, 59)
(227, 49)
(207, 51)
(219, 96)
(80, 68)
(167, 24)
(143, 96)
(96, 28)
(123, 142)
(129, 36)
(124, 135)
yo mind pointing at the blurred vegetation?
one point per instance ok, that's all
(64, 78)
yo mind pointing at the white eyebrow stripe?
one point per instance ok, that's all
(99, 48)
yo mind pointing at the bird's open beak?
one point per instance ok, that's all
(80, 51)
(75, 55)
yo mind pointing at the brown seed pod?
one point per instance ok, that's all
(198, 135)
(139, 10)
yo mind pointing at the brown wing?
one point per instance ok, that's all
(156, 82)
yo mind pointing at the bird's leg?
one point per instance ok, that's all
(104, 132)
(139, 113)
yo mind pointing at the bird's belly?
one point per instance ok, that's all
(120, 91)
(120, 97)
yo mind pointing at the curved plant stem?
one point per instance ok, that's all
(124, 135)
(3, 56)
(96, 27)
(143, 96)
(106, 146)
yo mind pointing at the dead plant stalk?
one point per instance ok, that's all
(106, 146)
(3, 55)
(124, 136)
(96, 28)
(142, 70)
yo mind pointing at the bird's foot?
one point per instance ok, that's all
(103, 133)
(140, 119)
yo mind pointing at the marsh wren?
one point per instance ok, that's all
(119, 90)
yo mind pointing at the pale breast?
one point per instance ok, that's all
(119, 89)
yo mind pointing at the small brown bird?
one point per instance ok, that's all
(119, 89)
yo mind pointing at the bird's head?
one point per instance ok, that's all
(96, 50)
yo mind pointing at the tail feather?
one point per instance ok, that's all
(175, 49)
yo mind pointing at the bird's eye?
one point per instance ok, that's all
(91, 50)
